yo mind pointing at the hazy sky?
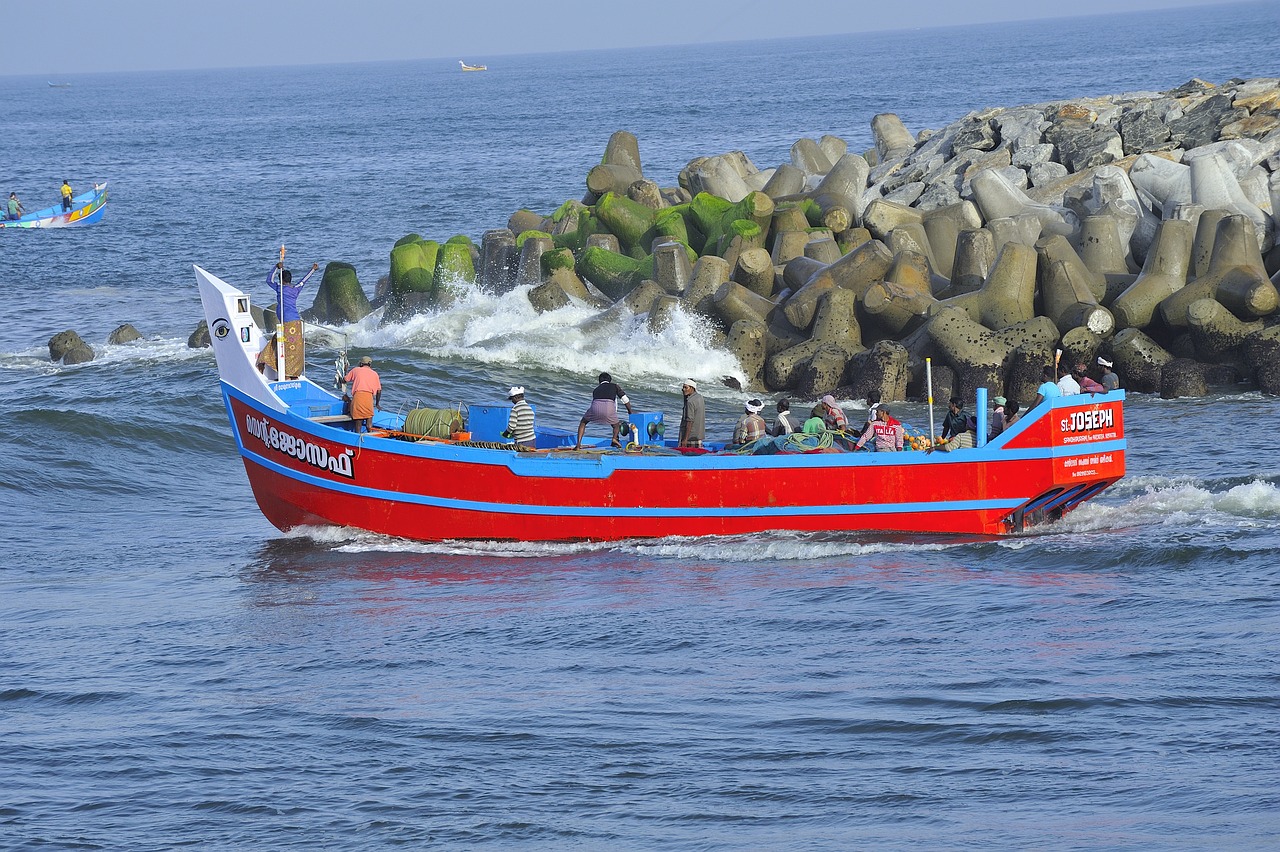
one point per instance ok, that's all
(67, 37)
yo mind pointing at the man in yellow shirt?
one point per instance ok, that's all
(66, 195)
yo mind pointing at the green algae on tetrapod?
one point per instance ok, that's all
(413, 266)
(525, 235)
(557, 259)
(630, 222)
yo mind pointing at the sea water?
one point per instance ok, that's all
(174, 671)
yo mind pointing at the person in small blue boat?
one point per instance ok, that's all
(290, 322)
(604, 408)
(13, 208)
(66, 196)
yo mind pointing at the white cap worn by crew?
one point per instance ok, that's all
(691, 384)
(1103, 362)
(515, 392)
(754, 406)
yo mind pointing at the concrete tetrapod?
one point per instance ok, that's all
(1262, 354)
(1056, 248)
(1008, 296)
(754, 271)
(856, 271)
(836, 320)
(847, 179)
(823, 372)
(1163, 274)
(896, 309)
(709, 274)
(975, 255)
(783, 367)
(498, 257)
(1182, 377)
(997, 198)
(1138, 360)
(809, 158)
(1202, 246)
(1235, 245)
(881, 216)
(746, 342)
(786, 180)
(1214, 185)
(1215, 330)
(340, 299)
(529, 266)
(1101, 249)
(1069, 303)
(882, 369)
(671, 268)
(893, 140)
(788, 245)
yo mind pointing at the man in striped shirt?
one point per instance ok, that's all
(520, 422)
(751, 426)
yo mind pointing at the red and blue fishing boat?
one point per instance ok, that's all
(306, 467)
(86, 209)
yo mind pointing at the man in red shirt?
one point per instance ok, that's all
(366, 393)
(887, 431)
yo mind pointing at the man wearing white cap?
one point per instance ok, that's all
(751, 426)
(693, 418)
(520, 422)
(1110, 381)
(366, 393)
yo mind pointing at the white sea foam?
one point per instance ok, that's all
(577, 339)
(1186, 503)
(146, 350)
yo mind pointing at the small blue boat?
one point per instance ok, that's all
(86, 208)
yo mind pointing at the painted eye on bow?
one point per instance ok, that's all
(221, 328)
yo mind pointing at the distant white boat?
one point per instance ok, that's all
(60, 85)
(466, 67)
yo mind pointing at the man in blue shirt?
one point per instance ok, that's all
(289, 322)
(1048, 389)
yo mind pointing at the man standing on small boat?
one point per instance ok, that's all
(366, 393)
(603, 408)
(14, 207)
(66, 196)
(290, 322)
(693, 419)
(520, 421)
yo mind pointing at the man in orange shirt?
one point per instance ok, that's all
(366, 393)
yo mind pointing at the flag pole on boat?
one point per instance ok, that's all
(928, 380)
(280, 319)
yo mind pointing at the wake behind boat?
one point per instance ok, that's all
(86, 209)
(307, 468)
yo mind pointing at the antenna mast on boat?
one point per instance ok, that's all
(280, 320)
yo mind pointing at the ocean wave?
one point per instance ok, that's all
(577, 340)
(1181, 502)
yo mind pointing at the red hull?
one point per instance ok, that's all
(439, 491)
